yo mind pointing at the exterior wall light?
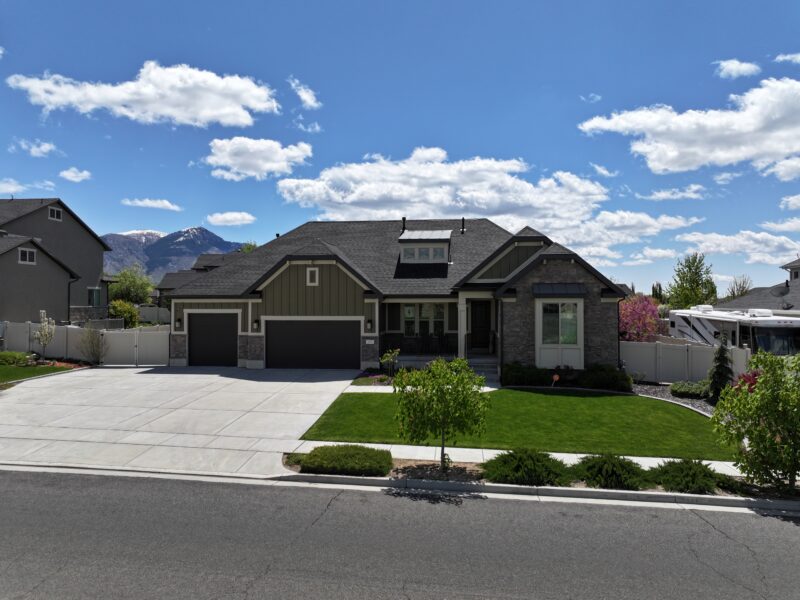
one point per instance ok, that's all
(369, 324)
(255, 325)
(178, 324)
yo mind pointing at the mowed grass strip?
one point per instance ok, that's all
(554, 422)
(13, 373)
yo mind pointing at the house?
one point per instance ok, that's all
(781, 299)
(33, 280)
(67, 239)
(203, 264)
(339, 294)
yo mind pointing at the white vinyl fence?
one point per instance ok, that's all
(153, 314)
(668, 363)
(144, 346)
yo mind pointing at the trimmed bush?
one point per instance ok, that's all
(518, 374)
(348, 459)
(611, 472)
(120, 309)
(690, 389)
(685, 476)
(523, 466)
(17, 359)
(604, 377)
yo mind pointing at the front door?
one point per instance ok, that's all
(480, 324)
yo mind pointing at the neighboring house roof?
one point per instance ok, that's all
(210, 261)
(773, 297)
(15, 208)
(369, 248)
(170, 281)
(625, 289)
(792, 265)
(9, 242)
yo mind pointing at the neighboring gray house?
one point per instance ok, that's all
(782, 298)
(203, 264)
(56, 227)
(32, 280)
(339, 294)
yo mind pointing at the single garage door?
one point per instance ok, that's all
(313, 344)
(213, 340)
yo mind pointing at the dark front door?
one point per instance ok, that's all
(213, 340)
(313, 344)
(480, 323)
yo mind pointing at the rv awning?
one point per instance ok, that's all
(559, 290)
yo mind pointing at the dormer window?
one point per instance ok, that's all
(55, 214)
(425, 246)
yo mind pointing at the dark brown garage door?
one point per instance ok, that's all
(213, 340)
(313, 344)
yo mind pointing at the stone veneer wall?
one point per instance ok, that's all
(87, 313)
(600, 319)
(177, 346)
(251, 347)
(370, 353)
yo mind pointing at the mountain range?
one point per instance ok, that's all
(158, 252)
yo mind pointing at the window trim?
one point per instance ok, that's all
(27, 262)
(580, 346)
(99, 296)
(59, 212)
(315, 271)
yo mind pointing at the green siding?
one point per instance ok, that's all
(336, 295)
(513, 259)
(179, 307)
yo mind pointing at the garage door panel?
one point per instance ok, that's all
(313, 344)
(213, 339)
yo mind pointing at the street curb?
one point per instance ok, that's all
(555, 492)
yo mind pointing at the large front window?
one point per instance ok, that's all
(409, 319)
(423, 319)
(560, 323)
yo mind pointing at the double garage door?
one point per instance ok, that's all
(213, 341)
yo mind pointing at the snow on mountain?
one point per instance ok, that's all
(146, 236)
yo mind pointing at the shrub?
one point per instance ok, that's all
(720, 374)
(690, 389)
(347, 459)
(604, 377)
(611, 472)
(762, 421)
(518, 374)
(93, 345)
(523, 466)
(638, 319)
(17, 359)
(686, 476)
(132, 285)
(121, 309)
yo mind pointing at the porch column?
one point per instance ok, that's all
(462, 327)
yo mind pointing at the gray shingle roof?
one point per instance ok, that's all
(371, 247)
(213, 260)
(792, 265)
(170, 281)
(766, 297)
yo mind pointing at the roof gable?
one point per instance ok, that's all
(9, 242)
(16, 208)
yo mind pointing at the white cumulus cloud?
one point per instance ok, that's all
(693, 191)
(792, 58)
(790, 202)
(36, 148)
(591, 98)
(787, 225)
(726, 177)
(762, 128)
(603, 171)
(11, 186)
(231, 218)
(177, 94)
(75, 175)
(2, 52)
(757, 247)
(308, 97)
(151, 203)
(428, 185)
(732, 69)
(239, 157)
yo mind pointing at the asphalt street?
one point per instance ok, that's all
(84, 536)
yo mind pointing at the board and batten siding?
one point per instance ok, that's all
(336, 295)
(510, 261)
(179, 306)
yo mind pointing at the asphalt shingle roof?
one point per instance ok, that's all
(213, 260)
(767, 297)
(13, 209)
(170, 281)
(370, 247)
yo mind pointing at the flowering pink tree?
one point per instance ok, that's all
(638, 319)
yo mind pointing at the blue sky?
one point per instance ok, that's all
(424, 109)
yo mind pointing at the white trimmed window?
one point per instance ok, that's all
(312, 276)
(27, 256)
(424, 254)
(55, 214)
(559, 333)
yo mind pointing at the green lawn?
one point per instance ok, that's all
(555, 422)
(12, 373)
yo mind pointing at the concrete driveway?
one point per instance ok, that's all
(201, 420)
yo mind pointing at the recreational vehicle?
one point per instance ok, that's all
(755, 328)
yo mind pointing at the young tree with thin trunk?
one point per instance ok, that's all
(440, 401)
(45, 332)
(692, 283)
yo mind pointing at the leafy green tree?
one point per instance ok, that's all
(692, 283)
(248, 247)
(442, 400)
(760, 416)
(132, 285)
(720, 374)
(120, 309)
(657, 292)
